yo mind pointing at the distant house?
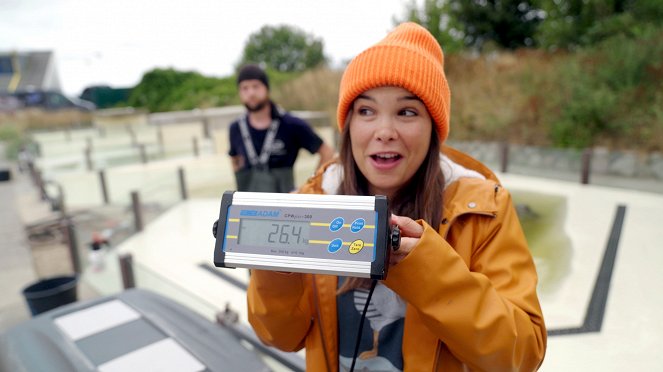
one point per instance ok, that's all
(30, 80)
(28, 71)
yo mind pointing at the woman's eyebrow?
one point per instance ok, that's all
(409, 98)
(364, 96)
(404, 98)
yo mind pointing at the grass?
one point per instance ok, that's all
(14, 125)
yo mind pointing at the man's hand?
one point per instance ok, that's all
(237, 162)
(326, 154)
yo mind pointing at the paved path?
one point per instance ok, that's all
(20, 205)
(16, 269)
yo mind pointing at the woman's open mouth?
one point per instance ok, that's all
(386, 160)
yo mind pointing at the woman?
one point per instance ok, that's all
(461, 290)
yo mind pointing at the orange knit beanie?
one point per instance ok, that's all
(409, 57)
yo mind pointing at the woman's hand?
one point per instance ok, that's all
(410, 234)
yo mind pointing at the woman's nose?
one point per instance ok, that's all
(386, 130)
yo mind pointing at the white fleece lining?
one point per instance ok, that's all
(452, 172)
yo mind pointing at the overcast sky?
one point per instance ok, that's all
(114, 42)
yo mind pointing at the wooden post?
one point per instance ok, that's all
(586, 166)
(183, 190)
(40, 184)
(196, 149)
(143, 153)
(162, 147)
(88, 159)
(37, 148)
(138, 213)
(127, 270)
(504, 152)
(132, 134)
(206, 128)
(104, 186)
(60, 202)
(70, 236)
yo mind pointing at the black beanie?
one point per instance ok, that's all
(252, 72)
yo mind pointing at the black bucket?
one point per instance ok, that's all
(5, 175)
(50, 293)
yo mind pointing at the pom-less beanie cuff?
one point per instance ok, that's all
(410, 58)
(252, 72)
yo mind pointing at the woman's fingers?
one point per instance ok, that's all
(409, 227)
(407, 245)
(410, 233)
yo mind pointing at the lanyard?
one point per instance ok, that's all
(262, 161)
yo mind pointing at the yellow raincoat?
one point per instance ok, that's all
(469, 284)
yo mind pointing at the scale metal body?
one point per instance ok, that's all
(324, 234)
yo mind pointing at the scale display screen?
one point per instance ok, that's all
(273, 233)
(331, 234)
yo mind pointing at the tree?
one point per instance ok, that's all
(508, 23)
(573, 23)
(435, 18)
(283, 48)
(473, 23)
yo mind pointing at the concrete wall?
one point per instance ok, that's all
(117, 117)
(618, 163)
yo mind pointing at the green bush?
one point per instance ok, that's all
(13, 139)
(609, 93)
(570, 24)
(171, 90)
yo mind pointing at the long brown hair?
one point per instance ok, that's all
(419, 198)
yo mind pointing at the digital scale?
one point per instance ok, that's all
(326, 234)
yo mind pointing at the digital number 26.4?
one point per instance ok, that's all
(282, 234)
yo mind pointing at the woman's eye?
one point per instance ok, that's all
(364, 111)
(407, 112)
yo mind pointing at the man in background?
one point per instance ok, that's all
(265, 142)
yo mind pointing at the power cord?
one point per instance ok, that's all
(395, 242)
(361, 324)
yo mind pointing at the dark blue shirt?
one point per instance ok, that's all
(293, 135)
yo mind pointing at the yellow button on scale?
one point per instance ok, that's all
(356, 246)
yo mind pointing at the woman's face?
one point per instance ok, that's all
(390, 130)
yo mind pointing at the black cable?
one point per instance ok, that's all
(361, 324)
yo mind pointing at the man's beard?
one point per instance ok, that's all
(257, 107)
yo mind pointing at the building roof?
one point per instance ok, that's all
(27, 71)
